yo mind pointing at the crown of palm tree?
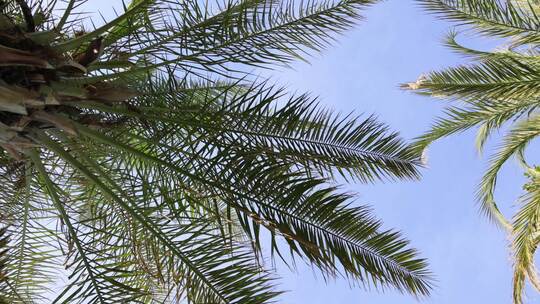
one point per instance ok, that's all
(141, 158)
(501, 88)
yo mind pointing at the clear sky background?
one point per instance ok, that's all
(468, 255)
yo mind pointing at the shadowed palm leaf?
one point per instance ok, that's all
(501, 88)
(140, 160)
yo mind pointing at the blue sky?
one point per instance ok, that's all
(361, 73)
(469, 256)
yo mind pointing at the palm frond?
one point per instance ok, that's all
(490, 116)
(31, 259)
(248, 121)
(255, 33)
(263, 191)
(514, 142)
(214, 277)
(500, 78)
(490, 17)
(525, 235)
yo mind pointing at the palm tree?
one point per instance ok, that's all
(498, 92)
(144, 163)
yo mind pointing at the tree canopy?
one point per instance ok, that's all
(143, 160)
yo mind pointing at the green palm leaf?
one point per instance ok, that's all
(490, 17)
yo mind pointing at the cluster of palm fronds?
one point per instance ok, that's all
(140, 158)
(500, 90)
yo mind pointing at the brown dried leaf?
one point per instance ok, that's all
(58, 121)
(11, 57)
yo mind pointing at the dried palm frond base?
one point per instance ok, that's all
(35, 91)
